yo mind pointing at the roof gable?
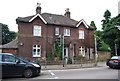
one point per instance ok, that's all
(38, 15)
(82, 21)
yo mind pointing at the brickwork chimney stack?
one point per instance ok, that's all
(67, 13)
(38, 9)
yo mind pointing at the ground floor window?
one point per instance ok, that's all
(82, 51)
(36, 50)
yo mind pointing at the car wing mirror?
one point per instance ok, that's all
(17, 61)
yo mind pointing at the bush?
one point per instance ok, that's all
(49, 56)
(80, 57)
(69, 61)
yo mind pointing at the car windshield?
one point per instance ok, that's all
(116, 57)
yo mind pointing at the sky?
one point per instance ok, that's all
(89, 10)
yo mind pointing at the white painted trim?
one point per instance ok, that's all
(38, 15)
(83, 23)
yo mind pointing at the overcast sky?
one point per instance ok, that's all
(89, 10)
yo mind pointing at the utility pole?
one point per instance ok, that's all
(115, 49)
(96, 55)
(63, 49)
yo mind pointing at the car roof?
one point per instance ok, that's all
(115, 57)
(6, 54)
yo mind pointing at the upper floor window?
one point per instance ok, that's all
(81, 34)
(37, 30)
(36, 50)
(57, 31)
(66, 32)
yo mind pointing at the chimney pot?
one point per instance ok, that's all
(67, 13)
(38, 9)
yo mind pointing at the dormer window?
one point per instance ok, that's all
(36, 30)
(56, 31)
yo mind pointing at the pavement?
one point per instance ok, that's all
(72, 66)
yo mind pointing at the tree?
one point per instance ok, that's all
(111, 34)
(107, 16)
(7, 35)
(92, 24)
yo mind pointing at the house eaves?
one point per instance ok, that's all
(38, 15)
(82, 21)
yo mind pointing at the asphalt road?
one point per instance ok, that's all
(87, 73)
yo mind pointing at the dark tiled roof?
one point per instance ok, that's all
(24, 19)
(53, 19)
(10, 45)
(59, 20)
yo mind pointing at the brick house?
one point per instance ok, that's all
(37, 35)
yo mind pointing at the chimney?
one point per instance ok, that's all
(67, 13)
(38, 9)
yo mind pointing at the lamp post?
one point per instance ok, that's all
(117, 26)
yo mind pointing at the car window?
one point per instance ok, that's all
(8, 58)
(21, 61)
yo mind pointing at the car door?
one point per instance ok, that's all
(19, 66)
(8, 65)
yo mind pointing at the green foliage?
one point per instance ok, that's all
(58, 49)
(104, 47)
(49, 56)
(80, 57)
(107, 14)
(111, 34)
(7, 35)
(69, 61)
(101, 45)
(92, 24)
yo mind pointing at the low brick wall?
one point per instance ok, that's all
(61, 62)
(102, 56)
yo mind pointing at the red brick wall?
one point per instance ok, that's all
(13, 51)
(48, 37)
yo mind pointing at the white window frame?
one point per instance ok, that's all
(66, 32)
(81, 34)
(36, 47)
(82, 51)
(56, 31)
(36, 30)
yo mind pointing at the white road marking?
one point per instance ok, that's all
(52, 75)
(51, 72)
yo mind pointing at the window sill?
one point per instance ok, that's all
(37, 56)
(67, 35)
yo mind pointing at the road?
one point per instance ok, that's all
(87, 73)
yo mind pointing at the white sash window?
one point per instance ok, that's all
(81, 34)
(36, 50)
(37, 30)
